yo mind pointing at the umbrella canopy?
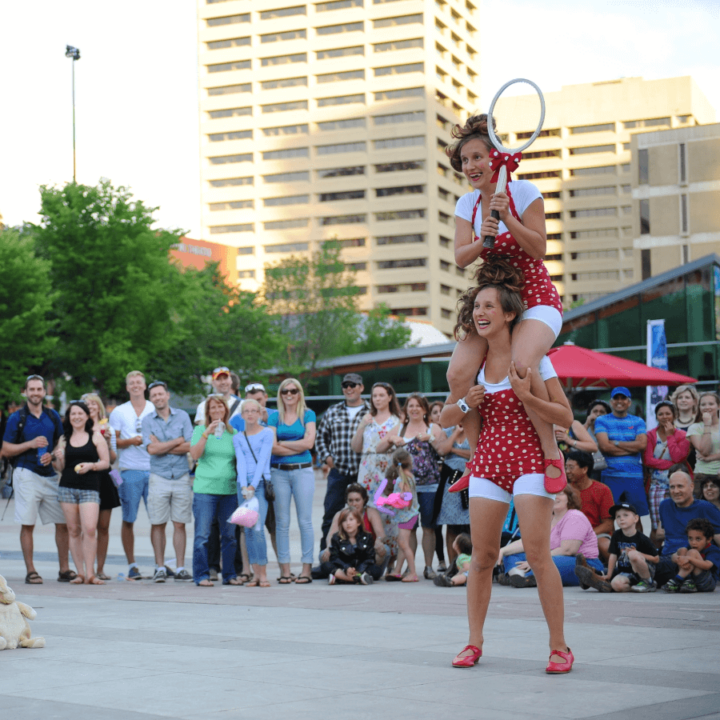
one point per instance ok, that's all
(579, 367)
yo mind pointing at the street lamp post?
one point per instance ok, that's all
(73, 53)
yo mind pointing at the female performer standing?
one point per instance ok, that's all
(520, 236)
(508, 462)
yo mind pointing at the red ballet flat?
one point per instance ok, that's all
(554, 668)
(462, 484)
(556, 484)
(469, 660)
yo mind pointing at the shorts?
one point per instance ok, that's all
(75, 496)
(547, 314)
(633, 577)
(133, 489)
(170, 500)
(36, 493)
(705, 581)
(410, 524)
(532, 484)
(426, 500)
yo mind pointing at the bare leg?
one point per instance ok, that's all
(535, 516)
(428, 545)
(450, 536)
(103, 538)
(157, 538)
(72, 516)
(88, 523)
(244, 553)
(404, 545)
(26, 543)
(128, 541)
(62, 544)
(179, 543)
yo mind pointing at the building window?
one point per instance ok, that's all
(340, 52)
(400, 166)
(685, 254)
(445, 314)
(287, 177)
(283, 36)
(399, 142)
(340, 171)
(682, 160)
(644, 217)
(231, 182)
(344, 195)
(232, 42)
(402, 287)
(460, 272)
(226, 159)
(221, 229)
(445, 242)
(348, 242)
(229, 112)
(553, 216)
(229, 89)
(335, 29)
(554, 236)
(283, 12)
(541, 154)
(444, 265)
(226, 67)
(410, 311)
(400, 239)
(285, 82)
(539, 175)
(337, 5)
(684, 222)
(597, 275)
(404, 263)
(228, 20)
(285, 107)
(592, 149)
(600, 170)
(286, 153)
(643, 167)
(341, 76)
(552, 195)
(605, 127)
(594, 212)
(286, 224)
(553, 257)
(399, 215)
(590, 192)
(400, 20)
(418, 116)
(403, 190)
(286, 130)
(445, 289)
(343, 219)
(286, 200)
(283, 59)
(237, 135)
(246, 250)
(399, 69)
(653, 122)
(341, 124)
(340, 148)
(231, 205)
(355, 267)
(243, 274)
(645, 263)
(341, 100)
(287, 247)
(399, 94)
(591, 234)
(594, 255)
(398, 45)
(444, 218)
(543, 133)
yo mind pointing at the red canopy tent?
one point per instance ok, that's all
(579, 367)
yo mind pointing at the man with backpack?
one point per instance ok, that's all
(31, 435)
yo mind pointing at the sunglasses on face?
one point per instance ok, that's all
(348, 385)
(289, 391)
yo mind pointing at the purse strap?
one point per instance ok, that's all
(253, 452)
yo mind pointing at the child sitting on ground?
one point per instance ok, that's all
(463, 547)
(633, 557)
(699, 563)
(352, 551)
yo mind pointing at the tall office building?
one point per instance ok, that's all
(582, 165)
(323, 120)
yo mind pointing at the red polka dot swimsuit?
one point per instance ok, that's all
(539, 289)
(509, 446)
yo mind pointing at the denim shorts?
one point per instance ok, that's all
(426, 500)
(705, 581)
(134, 488)
(77, 497)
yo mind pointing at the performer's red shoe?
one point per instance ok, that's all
(470, 660)
(554, 485)
(462, 484)
(554, 668)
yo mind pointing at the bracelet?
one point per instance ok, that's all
(205, 436)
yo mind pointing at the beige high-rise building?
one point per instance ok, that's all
(324, 120)
(676, 194)
(582, 165)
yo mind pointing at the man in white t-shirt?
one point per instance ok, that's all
(134, 461)
(222, 384)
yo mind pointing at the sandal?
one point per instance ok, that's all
(66, 576)
(205, 583)
(264, 583)
(410, 578)
(78, 580)
(32, 578)
(555, 668)
(285, 580)
(393, 577)
(554, 485)
(94, 580)
(303, 580)
(245, 577)
(101, 576)
(253, 583)
(467, 661)
(234, 581)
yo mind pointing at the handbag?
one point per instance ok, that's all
(269, 489)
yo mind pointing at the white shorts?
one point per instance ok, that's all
(170, 500)
(36, 494)
(544, 313)
(533, 484)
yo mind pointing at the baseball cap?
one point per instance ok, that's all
(255, 387)
(218, 371)
(622, 506)
(620, 391)
(353, 377)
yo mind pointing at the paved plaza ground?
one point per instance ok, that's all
(140, 651)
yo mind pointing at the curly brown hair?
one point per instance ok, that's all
(497, 273)
(476, 128)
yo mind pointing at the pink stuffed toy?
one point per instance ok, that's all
(399, 501)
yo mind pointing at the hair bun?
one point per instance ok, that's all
(497, 271)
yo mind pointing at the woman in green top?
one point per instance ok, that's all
(215, 491)
(704, 435)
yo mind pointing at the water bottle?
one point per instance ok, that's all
(121, 576)
(40, 452)
(220, 429)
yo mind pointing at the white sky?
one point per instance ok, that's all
(136, 83)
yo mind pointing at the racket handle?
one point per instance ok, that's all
(489, 241)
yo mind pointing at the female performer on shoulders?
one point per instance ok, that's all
(508, 463)
(520, 237)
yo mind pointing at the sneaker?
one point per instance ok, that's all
(170, 573)
(213, 575)
(590, 579)
(672, 586)
(134, 574)
(523, 581)
(503, 579)
(644, 586)
(689, 586)
(182, 575)
(429, 573)
(442, 581)
(364, 579)
(160, 575)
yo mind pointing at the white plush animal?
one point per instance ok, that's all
(14, 628)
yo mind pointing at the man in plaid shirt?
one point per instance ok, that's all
(332, 442)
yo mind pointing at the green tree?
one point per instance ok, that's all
(25, 301)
